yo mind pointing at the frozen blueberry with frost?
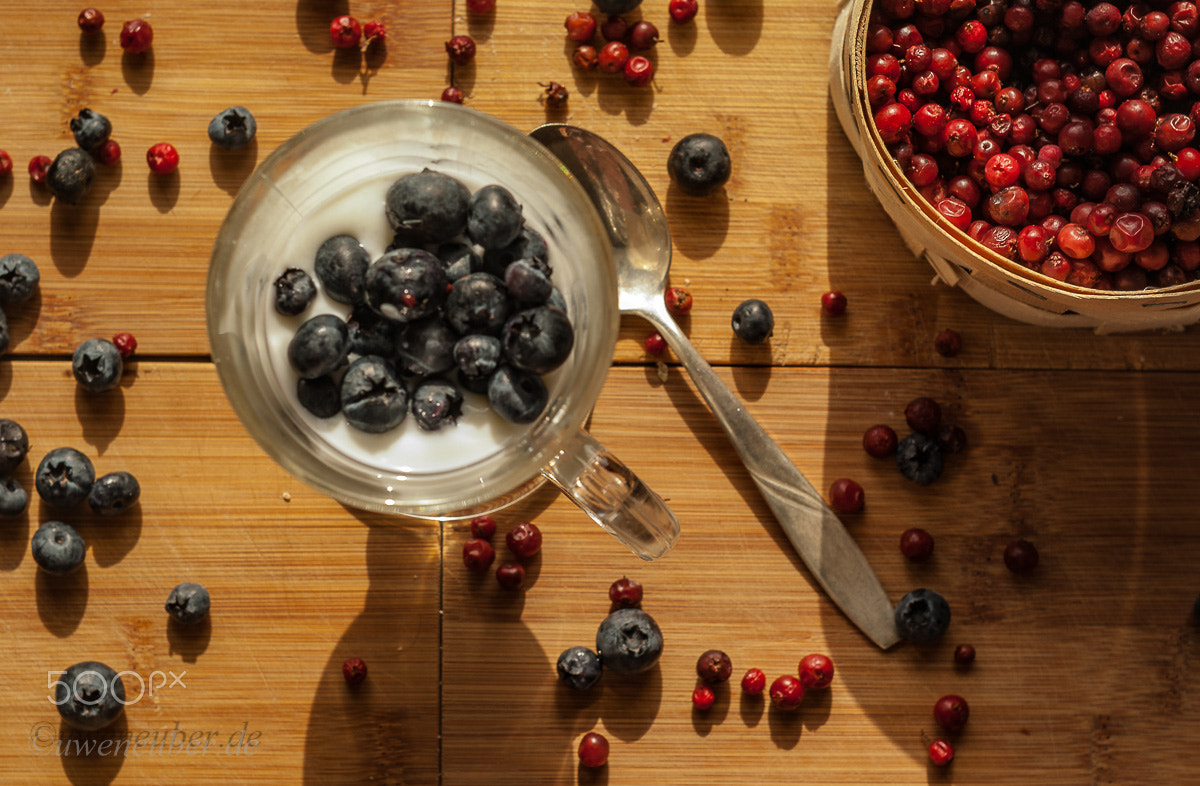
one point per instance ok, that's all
(425, 348)
(19, 278)
(294, 290)
(527, 285)
(477, 355)
(629, 641)
(427, 206)
(460, 259)
(188, 603)
(920, 458)
(517, 396)
(114, 493)
(922, 616)
(478, 303)
(753, 321)
(71, 174)
(406, 284)
(529, 245)
(58, 548)
(436, 403)
(232, 128)
(370, 332)
(494, 217)
(14, 445)
(578, 667)
(97, 365)
(538, 339)
(320, 346)
(341, 267)
(91, 129)
(89, 695)
(374, 398)
(64, 477)
(699, 164)
(14, 499)
(322, 396)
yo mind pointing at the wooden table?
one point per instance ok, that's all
(1087, 670)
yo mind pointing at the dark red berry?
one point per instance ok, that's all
(683, 11)
(880, 441)
(374, 31)
(816, 671)
(354, 670)
(916, 544)
(703, 697)
(952, 438)
(923, 414)
(846, 496)
(108, 153)
(478, 555)
(461, 49)
(941, 752)
(91, 20)
(481, 6)
(345, 31)
(593, 750)
(510, 575)
(6, 163)
(964, 654)
(951, 712)
(644, 35)
(452, 95)
(136, 36)
(524, 540)
(947, 343)
(613, 28)
(638, 71)
(1020, 556)
(125, 344)
(655, 344)
(612, 57)
(581, 26)
(787, 692)
(625, 592)
(754, 682)
(833, 303)
(585, 57)
(679, 300)
(163, 158)
(38, 167)
(555, 94)
(714, 667)
(483, 527)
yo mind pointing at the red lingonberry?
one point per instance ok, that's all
(126, 344)
(109, 152)
(683, 11)
(703, 697)
(964, 654)
(787, 692)
(923, 414)
(713, 667)
(880, 441)
(461, 49)
(613, 28)
(916, 544)
(354, 670)
(452, 95)
(625, 592)
(91, 20)
(6, 163)
(833, 303)
(754, 682)
(345, 31)
(510, 575)
(947, 343)
(524, 540)
(593, 750)
(163, 158)
(581, 26)
(941, 752)
(585, 57)
(1020, 556)
(816, 671)
(373, 31)
(38, 167)
(679, 300)
(481, 6)
(136, 36)
(643, 35)
(478, 555)
(639, 71)
(613, 56)
(951, 712)
(483, 527)
(655, 344)
(554, 94)
(846, 496)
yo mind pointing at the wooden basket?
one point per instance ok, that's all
(994, 281)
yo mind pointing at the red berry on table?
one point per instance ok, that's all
(787, 692)
(941, 752)
(916, 544)
(643, 35)
(683, 11)
(163, 158)
(951, 712)
(524, 540)
(6, 164)
(880, 441)
(478, 555)
(613, 56)
(483, 527)
(947, 343)
(964, 654)
(461, 49)
(481, 6)
(816, 671)
(625, 592)
(952, 438)
(581, 26)
(923, 414)
(703, 697)
(136, 36)
(452, 95)
(555, 94)
(125, 344)
(846, 496)
(593, 750)
(833, 303)
(510, 575)
(374, 31)
(655, 344)
(754, 682)
(679, 300)
(108, 153)
(91, 20)
(354, 670)
(345, 31)
(638, 71)
(585, 57)
(713, 667)
(613, 28)
(38, 167)
(1020, 556)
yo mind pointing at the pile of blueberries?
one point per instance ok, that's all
(462, 299)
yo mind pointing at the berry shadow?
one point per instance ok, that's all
(751, 708)
(108, 177)
(698, 224)
(703, 721)
(14, 530)
(230, 168)
(785, 726)
(462, 77)
(138, 70)
(312, 22)
(480, 26)
(346, 65)
(373, 58)
(816, 708)
(62, 600)
(621, 692)
(751, 368)
(591, 776)
(615, 97)
(92, 48)
(39, 194)
(189, 641)
(682, 38)
(111, 537)
(72, 234)
(164, 190)
(6, 189)
(735, 27)
(85, 764)
(101, 414)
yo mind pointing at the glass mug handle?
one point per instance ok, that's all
(615, 498)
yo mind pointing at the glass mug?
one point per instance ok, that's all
(331, 179)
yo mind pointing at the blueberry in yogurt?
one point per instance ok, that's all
(478, 303)
(436, 403)
(517, 396)
(406, 284)
(494, 217)
(341, 267)
(427, 206)
(319, 346)
(294, 290)
(425, 348)
(374, 398)
(538, 339)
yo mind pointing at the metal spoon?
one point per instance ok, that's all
(642, 249)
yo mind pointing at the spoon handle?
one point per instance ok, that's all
(819, 537)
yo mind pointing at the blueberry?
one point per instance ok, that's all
(19, 278)
(920, 458)
(89, 695)
(188, 603)
(427, 206)
(13, 497)
(526, 284)
(425, 348)
(477, 355)
(435, 403)
(341, 267)
(494, 218)
(14, 445)
(114, 493)
(370, 332)
(460, 259)
(97, 365)
(70, 175)
(64, 477)
(373, 397)
(4, 336)
(406, 284)
(322, 396)
(538, 339)
(528, 245)
(578, 667)
(517, 396)
(922, 616)
(294, 290)
(629, 641)
(753, 321)
(617, 6)
(58, 548)
(91, 129)
(232, 128)
(478, 303)
(320, 346)
(556, 299)
(699, 164)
